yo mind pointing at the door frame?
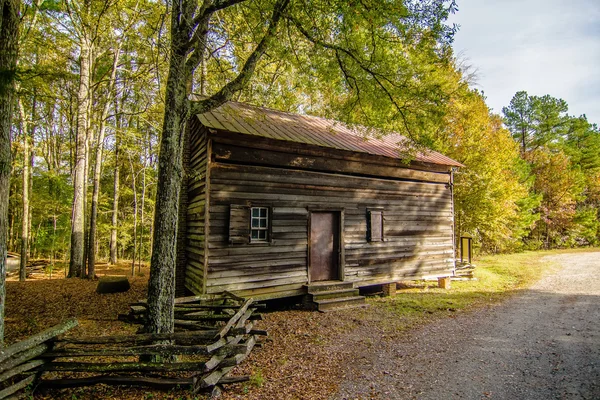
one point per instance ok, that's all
(341, 248)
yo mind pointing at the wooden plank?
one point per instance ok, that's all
(213, 378)
(127, 380)
(156, 349)
(123, 366)
(264, 175)
(141, 338)
(232, 153)
(37, 339)
(274, 199)
(298, 275)
(273, 285)
(339, 190)
(16, 387)
(217, 358)
(19, 369)
(243, 268)
(302, 148)
(23, 356)
(223, 332)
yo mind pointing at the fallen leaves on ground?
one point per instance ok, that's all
(302, 357)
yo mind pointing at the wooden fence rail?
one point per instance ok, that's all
(209, 342)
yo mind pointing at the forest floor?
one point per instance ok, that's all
(308, 355)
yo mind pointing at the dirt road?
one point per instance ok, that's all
(543, 343)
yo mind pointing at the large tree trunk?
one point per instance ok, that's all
(161, 285)
(9, 34)
(80, 171)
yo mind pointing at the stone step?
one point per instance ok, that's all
(340, 303)
(328, 286)
(330, 294)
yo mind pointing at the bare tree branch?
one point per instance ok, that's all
(376, 76)
(242, 79)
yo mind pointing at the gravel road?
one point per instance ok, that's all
(543, 343)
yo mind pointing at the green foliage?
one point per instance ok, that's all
(257, 379)
(385, 65)
(585, 229)
(535, 121)
(490, 192)
(563, 154)
(48, 90)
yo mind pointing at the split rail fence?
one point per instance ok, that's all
(209, 341)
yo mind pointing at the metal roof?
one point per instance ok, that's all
(258, 121)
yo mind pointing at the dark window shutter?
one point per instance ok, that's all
(239, 224)
(375, 226)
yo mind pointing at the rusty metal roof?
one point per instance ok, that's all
(258, 121)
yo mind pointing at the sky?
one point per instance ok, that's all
(540, 46)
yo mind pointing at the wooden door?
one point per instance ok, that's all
(324, 246)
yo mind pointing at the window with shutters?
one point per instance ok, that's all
(249, 224)
(375, 225)
(259, 224)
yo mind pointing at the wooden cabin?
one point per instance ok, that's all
(278, 202)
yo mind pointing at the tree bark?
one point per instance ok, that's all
(182, 63)
(135, 214)
(161, 285)
(115, 210)
(80, 171)
(26, 172)
(91, 252)
(143, 201)
(9, 32)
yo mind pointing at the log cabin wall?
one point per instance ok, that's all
(195, 270)
(292, 180)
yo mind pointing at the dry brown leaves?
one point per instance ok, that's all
(301, 359)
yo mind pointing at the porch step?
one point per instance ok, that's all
(333, 295)
(339, 303)
(328, 286)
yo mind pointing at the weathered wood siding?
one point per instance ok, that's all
(417, 219)
(196, 213)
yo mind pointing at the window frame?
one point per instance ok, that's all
(267, 224)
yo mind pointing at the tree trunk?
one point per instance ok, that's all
(135, 213)
(9, 32)
(26, 172)
(80, 172)
(115, 210)
(88, 138)
(91, 270)
(91, 248)
(143, 201)
(161, 285)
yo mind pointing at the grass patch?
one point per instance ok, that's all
(497, 276)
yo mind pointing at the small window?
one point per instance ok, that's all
(259, 224)
(375, 225)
